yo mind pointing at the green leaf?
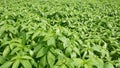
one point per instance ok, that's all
(43, 61)
(16, 57)
(97, 48)
(68, 51)
(16, 40)
(65, 41)
(26, 63)
(51, 41)
(27, 57)
(108, 65)
(76, 50)
(16, 64)
(78, 62)
(88, 66)
(34, 63)
(6, 64)
(31, 53)
(6, 51)
(42, 52)
(36, 34)
(69, 63)
(15, 50)
(13, 45)
(63, 66)
(52, 49)
(4, 44)
(2, 60)
(24, 38)
(94, 60)
(61, 60)
(73, 55)
(37, 48)
(50, 58)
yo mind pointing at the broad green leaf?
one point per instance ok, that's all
(15, 57)
(6, 64)
(42, 52)
(52, 50)
(2, 60)
(60, 53)
(16, 40)
(27, 57)
(50, 58)
(26, 63)
(51, 41)
(80, 41)
(108, 65)
(78, 62)
(24, 38)
(69, 63)
(34, 63)
(68, 51)
(36, 34)
(6, 51)
(73, 55)
(55, 66)
(76, 50)
(63, 66)
(13, 45)
(65, 41)
(31, 53)
(4, 44)
(15, 50)
(58, 31)
(43, 61)
(16, 64)
(68, 29)
(88, 66)
(37, 48)
(93, 60)
(96, 48)
(61, 60)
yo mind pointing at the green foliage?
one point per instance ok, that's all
(59, 34)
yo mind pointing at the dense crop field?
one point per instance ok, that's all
(59, 34)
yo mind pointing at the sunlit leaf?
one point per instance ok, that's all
(50, 58)
(68, 51)
(34, 63)
(43, 61)
(108, 65)
(26, 63)
(16, 64)
(6, 51)
(41, 52)
(35, 34)
(51, 41)
(60, 34)
(6, 64)
(2, 60)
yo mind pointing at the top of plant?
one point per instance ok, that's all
(59, 34)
